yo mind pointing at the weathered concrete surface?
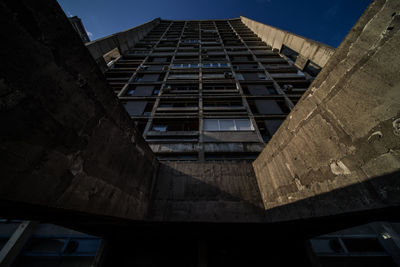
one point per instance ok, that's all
(339, 149)
(66, 141)
(123, 41)
(308, 49)
(207, 192)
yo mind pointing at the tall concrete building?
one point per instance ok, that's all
(199, 143)
(209, 90)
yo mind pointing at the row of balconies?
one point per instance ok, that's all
(247, 75)
(209, 106)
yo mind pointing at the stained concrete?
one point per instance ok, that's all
(337, 151)
(66, 141)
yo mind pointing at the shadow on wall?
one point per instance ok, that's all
(374, 199)
(230, 194)
(206, 191)
(180, 210)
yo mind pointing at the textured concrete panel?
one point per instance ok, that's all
(207, 191)
(66, 141)
(338, 151)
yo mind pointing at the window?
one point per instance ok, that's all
(40, 247)
(211, 125)
(185, 66)
(175, 125)
(183, 76)
(208, 103)
(159, 59)
(290, 53)
(147, 78)
(159, 128)
(312, 68)
(243, 125)
(165, 105)
(191, 41)
(251, 76)
(140, 90)
(259, 89)
(213, 76)
(227, 125)
(135, 108)
(216, 65)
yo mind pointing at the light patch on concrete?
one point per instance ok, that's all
(338, 168)
(290, 170)
(375, 135)
(298, 184)
(396, 127)
(77, 164)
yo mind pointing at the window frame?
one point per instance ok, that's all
(235, 126)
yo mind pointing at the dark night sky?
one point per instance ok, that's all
(325, 21)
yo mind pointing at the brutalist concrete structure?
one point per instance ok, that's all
(209, 90)
(151, 138)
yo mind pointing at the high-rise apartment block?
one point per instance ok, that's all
(207, 90)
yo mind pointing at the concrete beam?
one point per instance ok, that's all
(308, 49)
(338, 151)
(16, 243)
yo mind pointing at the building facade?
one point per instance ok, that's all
(207, 90)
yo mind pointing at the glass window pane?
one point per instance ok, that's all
(227, 125)
(210, 125)
(165, 105)
(243, 125)
(160, 128)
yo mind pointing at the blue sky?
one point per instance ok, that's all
(326, 21)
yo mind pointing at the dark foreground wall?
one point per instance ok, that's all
(66, 142)
(339, 150)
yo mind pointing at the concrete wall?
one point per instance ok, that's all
(207, 192)
(123, 41)
(308, 49)
(339, 149)
(66, 141)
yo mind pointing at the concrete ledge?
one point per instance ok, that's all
(308, 49)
